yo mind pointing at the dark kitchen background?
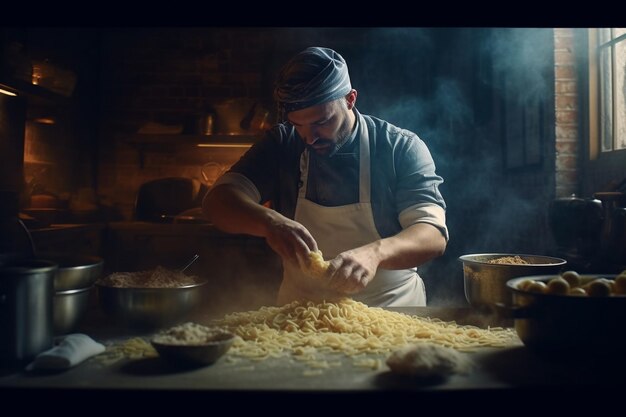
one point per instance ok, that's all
(510, 116)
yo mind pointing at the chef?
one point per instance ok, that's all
(356, 187)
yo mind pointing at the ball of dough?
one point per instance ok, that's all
(428, 360)
(316, 265)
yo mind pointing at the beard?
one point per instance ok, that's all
(328, 147)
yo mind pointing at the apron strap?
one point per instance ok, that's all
(365, 178)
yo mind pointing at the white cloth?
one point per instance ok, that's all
(71, 350)
(340, 228)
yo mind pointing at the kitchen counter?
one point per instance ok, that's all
(513, 376)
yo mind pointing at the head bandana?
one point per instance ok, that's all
(314, 76)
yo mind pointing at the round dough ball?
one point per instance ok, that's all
(428, 360)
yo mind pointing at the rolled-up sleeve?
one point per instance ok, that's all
(418, 199)
(425, 213)
(241, 182)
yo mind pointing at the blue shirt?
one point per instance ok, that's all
(405, 187)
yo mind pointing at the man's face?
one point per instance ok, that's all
(322, 126)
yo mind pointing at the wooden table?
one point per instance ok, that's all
(513, 377)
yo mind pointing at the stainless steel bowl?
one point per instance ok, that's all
(195, 354)
(150, 308)
(75, 271)
(69, 308)
(485, 283)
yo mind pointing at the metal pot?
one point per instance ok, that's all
(26, 292)
(568, 324)
(160, 199)
(576, 224)
(70, 307)
(485, 283)
(613, 228)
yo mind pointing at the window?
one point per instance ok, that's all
(608, 47)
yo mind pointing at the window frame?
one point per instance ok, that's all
(598, 170)
(595, 128)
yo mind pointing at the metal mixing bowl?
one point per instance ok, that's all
(485, 283)
(69, 308)
(150, 308)
(75, 271)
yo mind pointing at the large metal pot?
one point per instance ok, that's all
(485, 283)
(26, 291)
(568, 324)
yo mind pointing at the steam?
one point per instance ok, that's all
(243, 283)
(523, 60)
(453, 112)
(435, 116)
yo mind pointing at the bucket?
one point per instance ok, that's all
(26, 310)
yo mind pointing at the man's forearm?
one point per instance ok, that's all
(232, 211)
(411, 247)
(353, 270)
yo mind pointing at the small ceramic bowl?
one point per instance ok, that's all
(206, 353)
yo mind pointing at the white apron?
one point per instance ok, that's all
(340, 228)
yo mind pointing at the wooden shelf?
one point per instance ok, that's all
(167, 142)
(33, 162)
(196, 140)
(32, 91)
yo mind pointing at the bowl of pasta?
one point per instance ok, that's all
(192, 344)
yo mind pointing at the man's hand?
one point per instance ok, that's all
(351, 271)
(291, 240)
(233, 211)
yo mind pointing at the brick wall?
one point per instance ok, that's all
(566, 110)
(58, 159)
(52, 160)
